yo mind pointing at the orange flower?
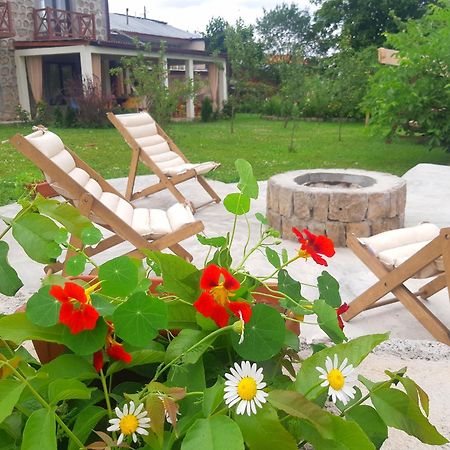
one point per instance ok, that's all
(314, 246)
(219, 285)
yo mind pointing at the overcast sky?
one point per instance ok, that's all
(194, 15)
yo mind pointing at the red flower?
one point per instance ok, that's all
(341, 310)
(215, 302)
(113, 349)
(98, 360)
(313, 246)
(116, 351)
(76, 310)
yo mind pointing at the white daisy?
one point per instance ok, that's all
(340, 379)
(130, 421)
(244, 385)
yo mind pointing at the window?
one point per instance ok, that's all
(56, 4)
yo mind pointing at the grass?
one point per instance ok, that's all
(263, 143)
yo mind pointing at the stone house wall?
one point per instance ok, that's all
(22, 19)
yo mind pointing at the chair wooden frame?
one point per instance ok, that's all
(88, 205)
(165, 182)
(393, 281)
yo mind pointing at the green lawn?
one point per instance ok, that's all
(263, 143)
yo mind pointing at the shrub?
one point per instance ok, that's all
(414, 97)
(206, 112)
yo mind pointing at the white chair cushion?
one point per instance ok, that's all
(47, 143)
(394, 257)
(179, 215)
(400, 237)
(148, 141)
(135, 119)
(200, 168)
(158, 149)
(141, 131)
(159, 222)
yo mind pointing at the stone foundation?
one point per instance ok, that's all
(336, 203)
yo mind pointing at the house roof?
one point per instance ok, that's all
(139, 25)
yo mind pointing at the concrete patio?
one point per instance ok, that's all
(428, 193)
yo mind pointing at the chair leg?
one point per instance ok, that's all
(206, 186)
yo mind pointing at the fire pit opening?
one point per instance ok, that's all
(336, 202)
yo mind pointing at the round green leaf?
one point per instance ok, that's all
(91, 235)
(264, 335)
(119, 277)
(43, 308)
(138, 320)
(75, 265)
(238, 204)
(10, 282)
(88, 341)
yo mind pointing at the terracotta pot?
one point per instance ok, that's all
(43, 188)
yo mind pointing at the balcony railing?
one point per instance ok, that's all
(6, 28)
(50, 24)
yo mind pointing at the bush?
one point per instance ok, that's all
(206, 112)
(43, 114)
(70, 117)
(414, 97)
(23, 116)
(89, 104)
(58, 117)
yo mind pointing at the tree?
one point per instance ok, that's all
(362, 23)
(414, 97)
(285, 29)
(244, 56)
(215, 35)
(148, 79)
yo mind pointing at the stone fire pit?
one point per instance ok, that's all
(336, 202)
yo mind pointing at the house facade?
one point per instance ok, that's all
(46, 44)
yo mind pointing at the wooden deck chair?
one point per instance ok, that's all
(95, 198)
(394, 257)
(151, 145)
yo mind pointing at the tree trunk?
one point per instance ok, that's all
(291, 144)
(232, 120)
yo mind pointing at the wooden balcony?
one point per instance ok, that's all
(6, 28)
(54, 24)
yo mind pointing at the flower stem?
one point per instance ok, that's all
(106, 393)
(211, 336)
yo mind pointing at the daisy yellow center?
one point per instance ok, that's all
(336, 379)
(128, 424)
(247, 388)
(220, 294)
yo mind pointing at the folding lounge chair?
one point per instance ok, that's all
(158, 152)
(395, 256)
(72, 178)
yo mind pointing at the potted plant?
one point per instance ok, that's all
(203, 360)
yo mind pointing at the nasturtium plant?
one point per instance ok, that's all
(159, 353)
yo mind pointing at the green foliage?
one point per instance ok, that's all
(284, 29)
(176, 360)
(206, 113)
(148, 78)
(362, 23)
(215, 35)
(413, 98)
(10, 282)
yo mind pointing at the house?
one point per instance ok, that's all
(44, 44)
